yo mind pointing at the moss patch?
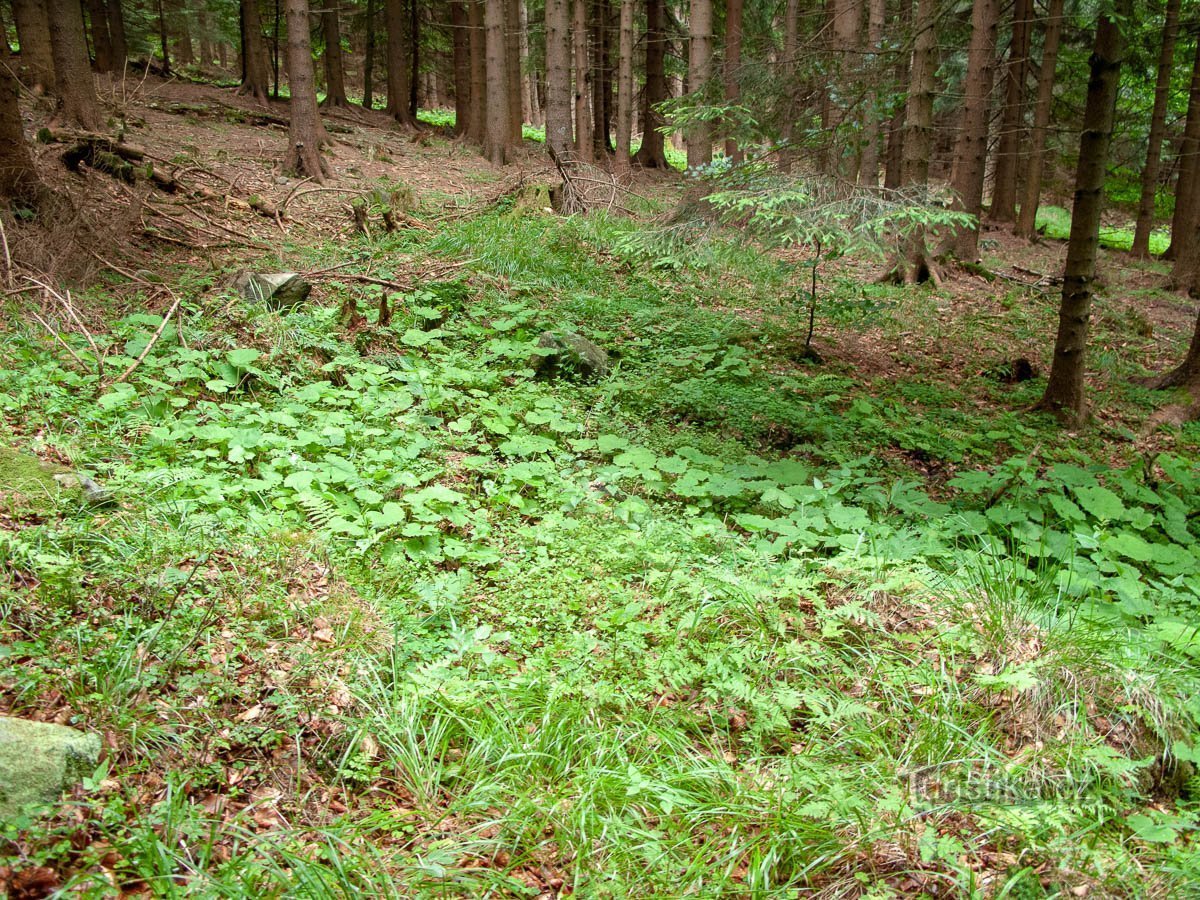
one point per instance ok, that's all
(27, 476)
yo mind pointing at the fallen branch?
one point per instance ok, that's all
(149, 346)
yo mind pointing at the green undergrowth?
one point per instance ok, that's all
(382, 613)
(1055, 222)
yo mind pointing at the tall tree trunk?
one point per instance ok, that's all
(1026, 225)
(608, 17)
(625, 89)
(512, 70)
(558, 76)
(306, 134)
(397, 64)
(462, 66)
(116, 34)
(368, 100)
(33, 31)
(894, 165)
(1008, 152)
(845, 39)
(98, 28)
(77, 101)
(477, 131)
(733, 64)
(700, 32)
(596, 46)
(183, 34)
(970, 151)
(164, 48)
(1158, 126)
(916, 266)
(788, 67)
(1189, 171)
(414, 56)
(206, 47)
(583, 85)
(651, 154)
(18, 177)
(1064, 390)
(255, 78)
(498, 135)
(528, 100)
(868, 169)
(335, 79)
(277, 62)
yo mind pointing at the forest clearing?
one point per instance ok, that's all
(472, 503)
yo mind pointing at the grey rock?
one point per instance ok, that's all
(93, 494)
(38, 761)
(279, 290)
(567, 354)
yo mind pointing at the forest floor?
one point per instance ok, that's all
(376, 611)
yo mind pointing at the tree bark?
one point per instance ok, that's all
(98, 28)
(1158, 126)
(335, 78)
(1008, 151)
(845, 39)
(306, 134)
(733, 63)
(18, 177)
(787, 69)
(498, 135)
(512, 70)
(583, 85)
(1026, 225)
(894, 165)
(33, 31)
(77, 101)
(414, 56)
(651, 154)
(625, 90)
(528, 92)
(558, 76)
(462, 66)
(916, 266)
(164, 48)
(183, 34)
(368, 100)
(601, 81)
(477, 130)
(255, 77)
(1064, 391)
(868, 169)
(397, 64)
(206, 47)
(1189, 171)
(700, 32)
(970, 151)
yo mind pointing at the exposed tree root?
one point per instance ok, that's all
(917, 268)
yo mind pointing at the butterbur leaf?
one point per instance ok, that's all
(1100, 502)
(1147, 829)
(242, 357)
(391, 514)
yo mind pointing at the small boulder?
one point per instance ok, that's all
(92, 493)
(280, 291)
(38, 761)
(567, 354)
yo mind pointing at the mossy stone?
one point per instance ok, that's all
(38, 761)
(567, 354)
